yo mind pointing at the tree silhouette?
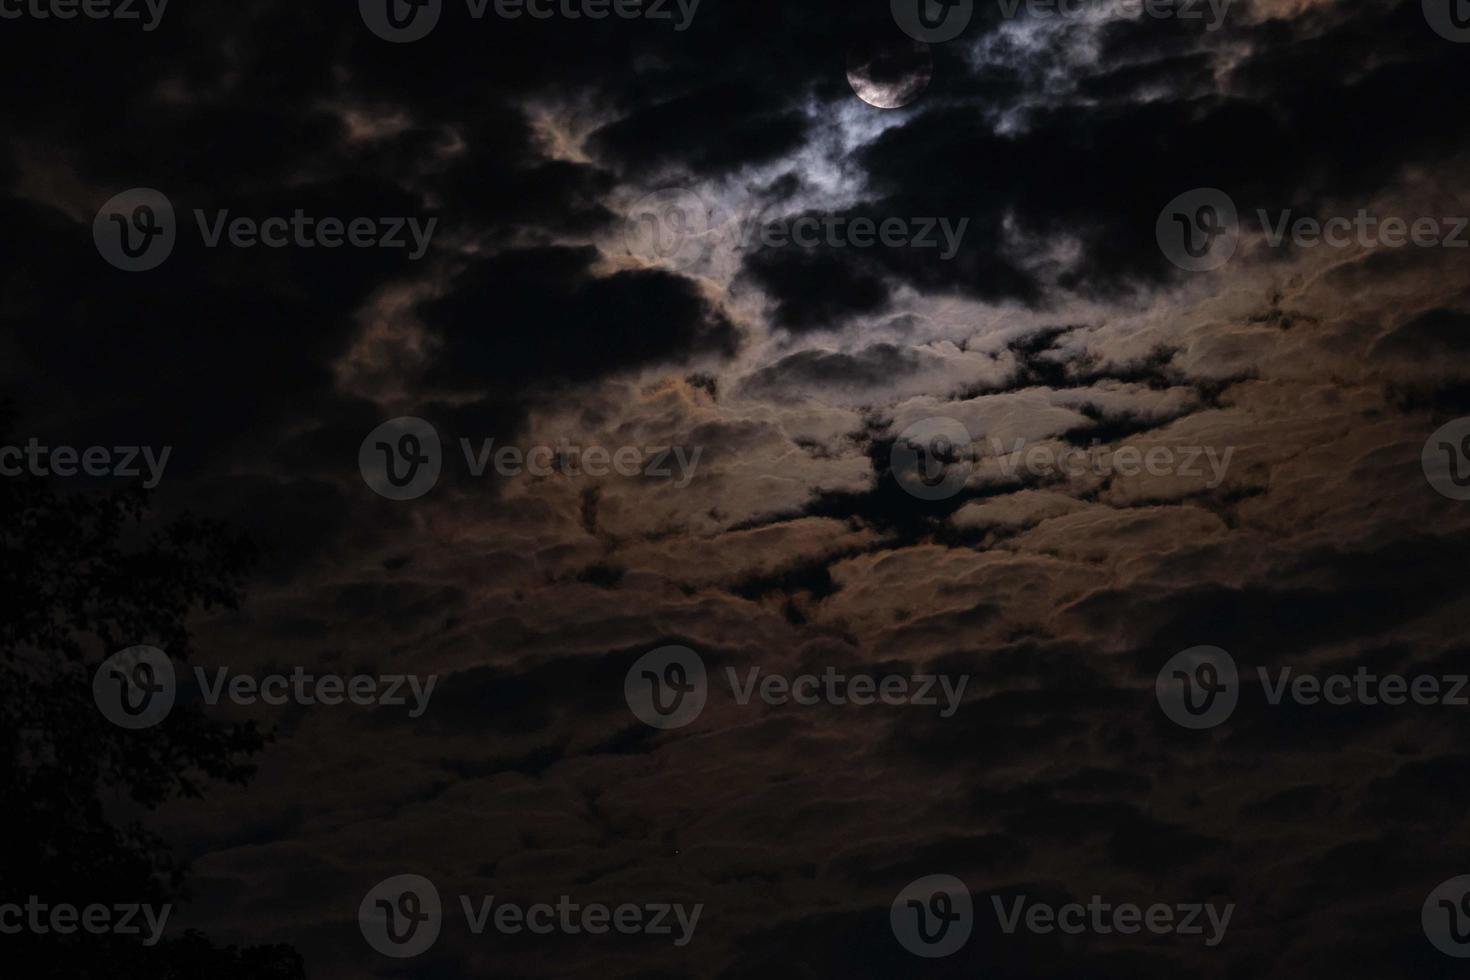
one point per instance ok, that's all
(82, 575)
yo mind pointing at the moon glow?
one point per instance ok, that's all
(890, 74)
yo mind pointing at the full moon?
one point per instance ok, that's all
(890, 74)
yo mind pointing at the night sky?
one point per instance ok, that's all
(821, 347)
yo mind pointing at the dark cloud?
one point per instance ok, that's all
(721, 128)
(1430, 336)
(535, 316)
(873, 366)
